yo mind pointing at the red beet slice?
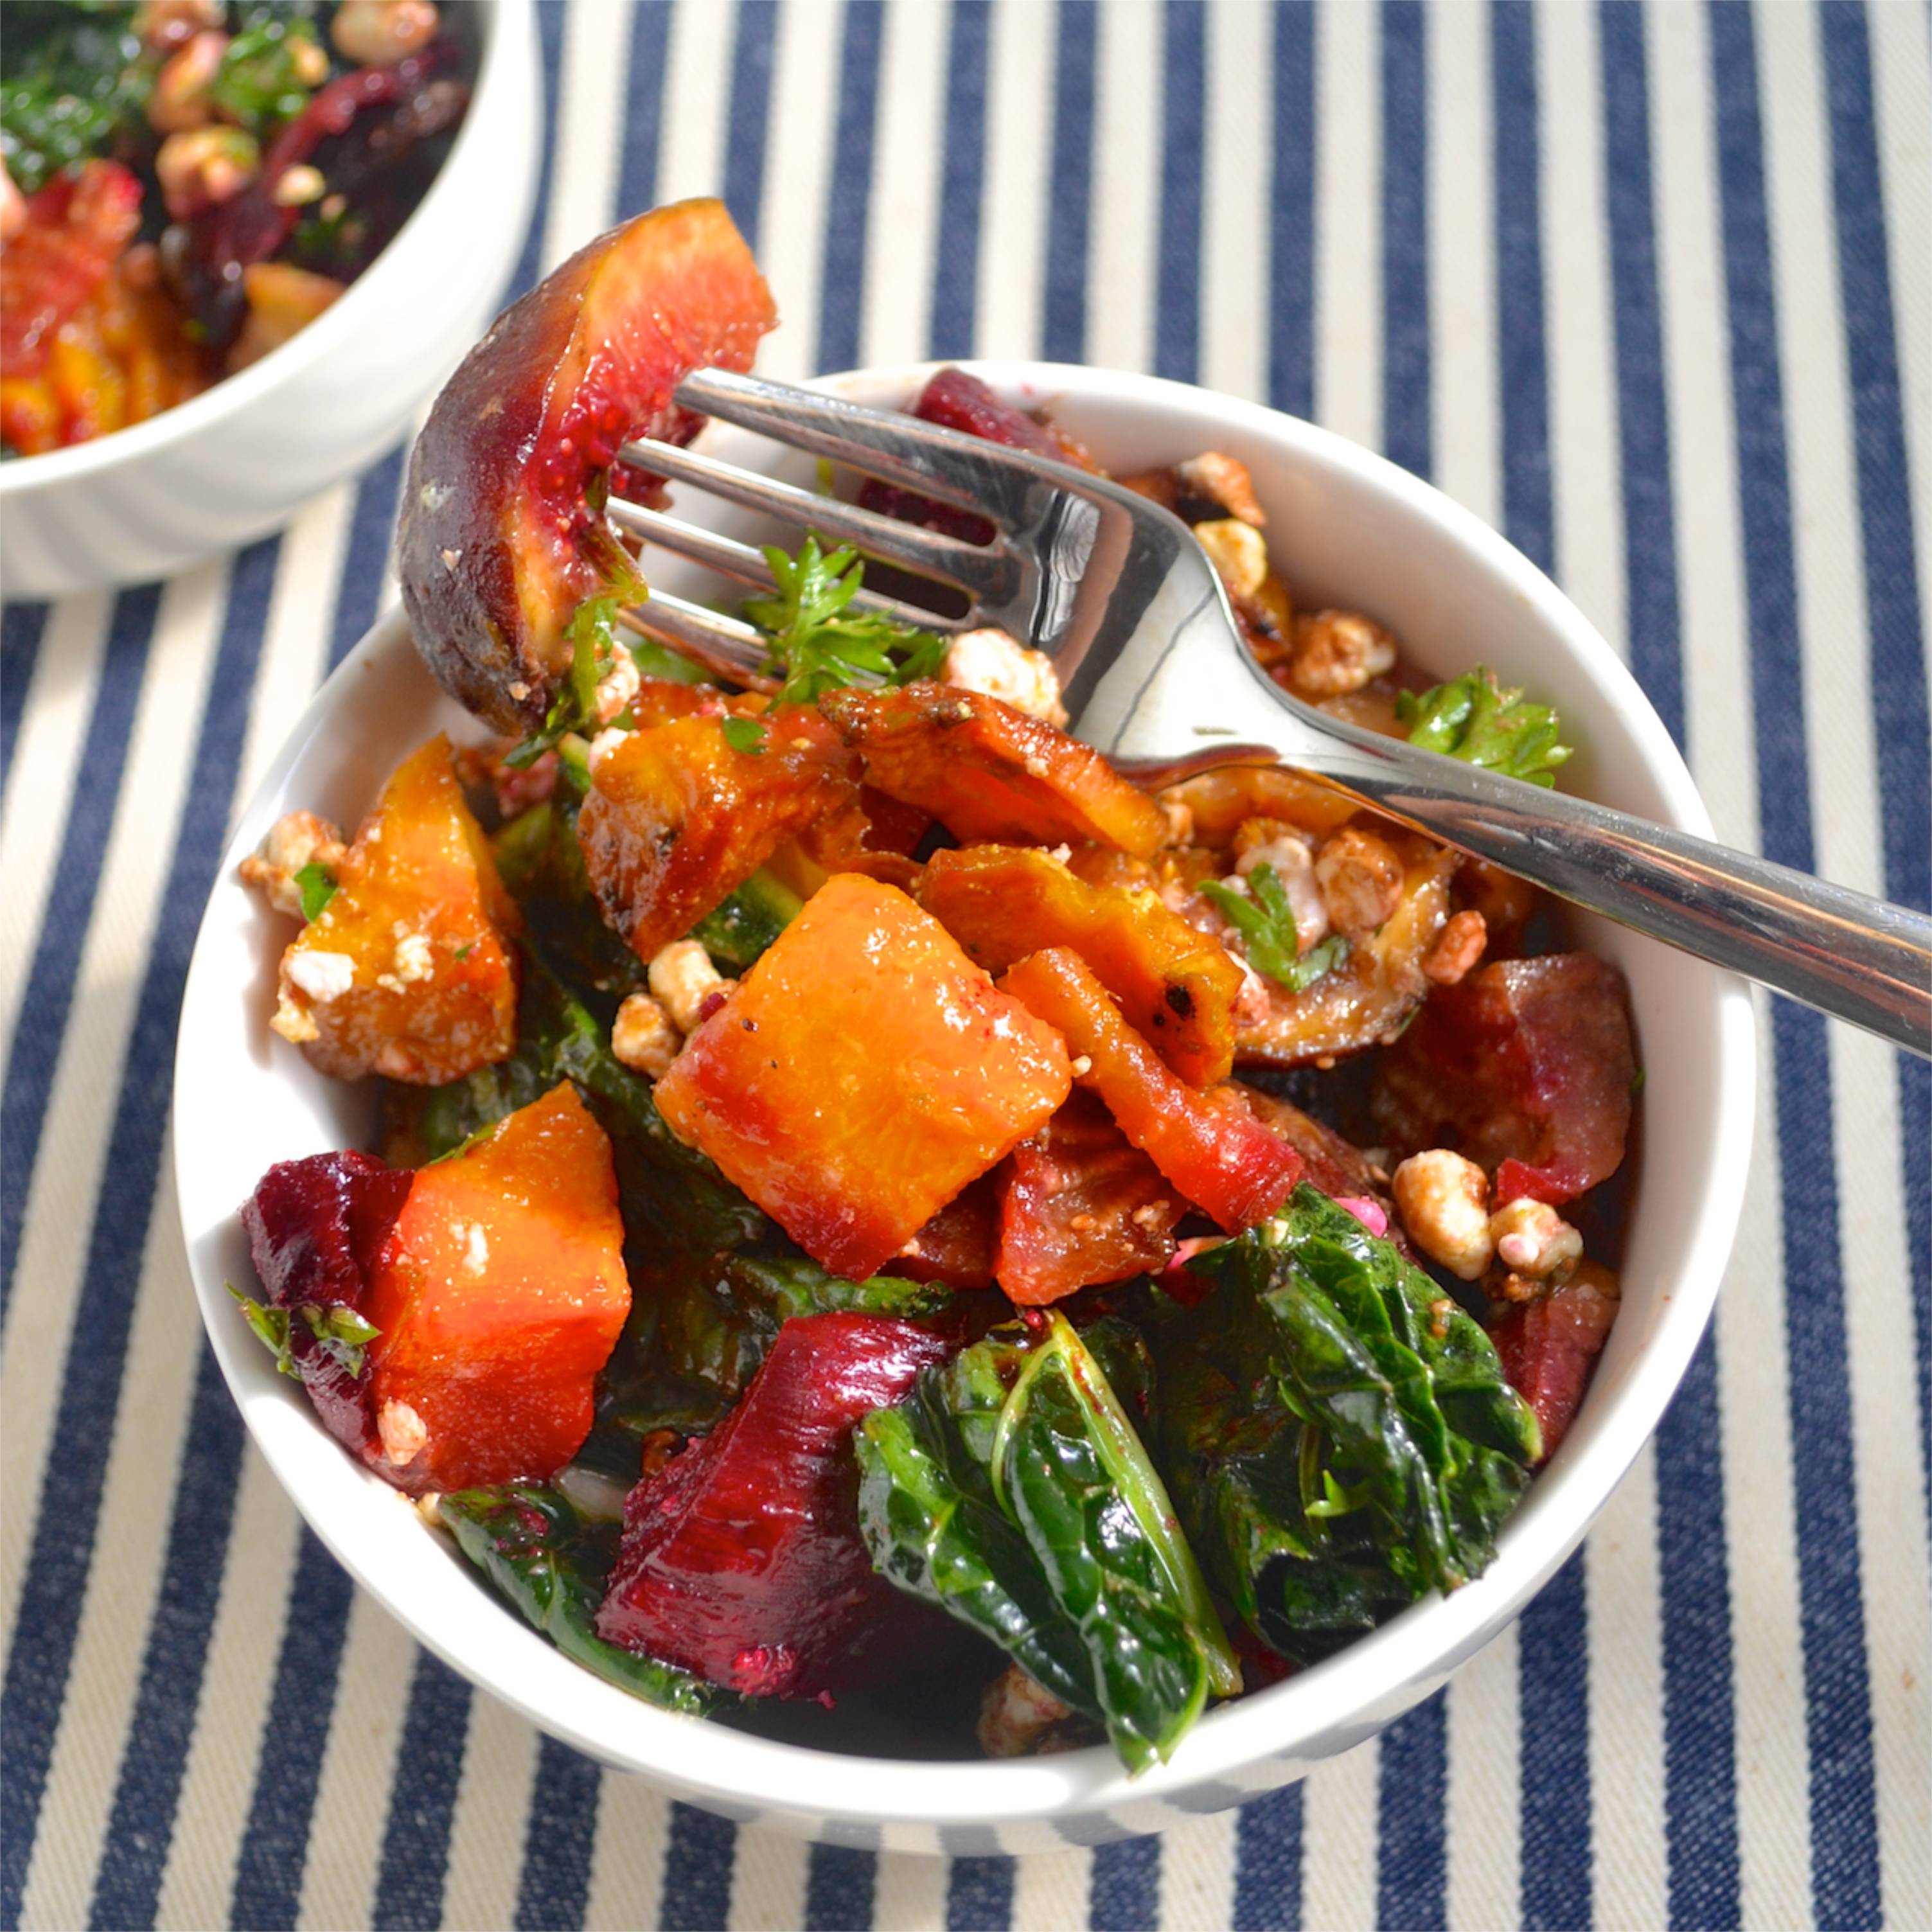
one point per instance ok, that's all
(742, 1558)
(1549, 1349)
(1525, 1066)
(315, 1229)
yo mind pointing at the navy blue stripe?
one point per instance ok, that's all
(126, 1888)
(1525, 367)
(979, 1894)
(1068, 187)
(955, 271)
(642, 111)
(1700, 1774)
(1844, 1838)
(48, 995)
(268, 1867)
(839, 1884)
(1643, 426)
(1895, 612)
(22, 626)
(1176, 316)
(1406, 437)
(549, 31)
(1412, 1880)
(422, 1800)
(69, 1506)
(1291, 238)
(752, 57)
(560, 1841)
(849, 195)
(1267, 1864)
(698, 1863)
(1123, 1888)
(1553, 1647)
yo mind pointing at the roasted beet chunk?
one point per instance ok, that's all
(1526, 1067)
(742, 1559)
(315, 1229)
(1548, 1348)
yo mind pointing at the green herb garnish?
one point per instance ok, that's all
(259, 83)
(318, 888)
(592, 632)
(744, 734)
(1265, 920)
(270, 1326)
(1474, 719)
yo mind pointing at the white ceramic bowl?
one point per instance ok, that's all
(231, 464)
(1345, 527)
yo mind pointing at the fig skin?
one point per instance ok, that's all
(501, 536)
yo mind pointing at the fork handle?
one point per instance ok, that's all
(1856, 957)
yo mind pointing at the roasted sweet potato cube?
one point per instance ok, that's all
(1176, 986)
(1207, 1145)
(499, 1295)
(986, 771)
(678, 817)
(861, 1074)
(408, 972)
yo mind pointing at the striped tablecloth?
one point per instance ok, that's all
(1647, 286)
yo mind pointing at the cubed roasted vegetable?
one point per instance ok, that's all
(406, 971)
(499, 1296)
(861, 1074)
(680, 816)
(1208, 1145)
(1525, 1066)
(1549, 1347)
(1081, 1205)
(986, 771)
(1176, 986)
(742, 1560)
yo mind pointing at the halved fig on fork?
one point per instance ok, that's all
(502, 534)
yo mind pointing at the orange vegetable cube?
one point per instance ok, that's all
(1177, 986)
(500, 1294)
(678, 818)
(1207, 1145)
(986, 771)
(861, 1074)
(408, 971)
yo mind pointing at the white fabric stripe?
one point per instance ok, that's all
(698, 92)
(768, 1883)
(627, 1858)
(1881, 1361)
(909, 1894)
(1197, 1874)
(895, 311)
(798, 173)
(47, 757)
(1583, 439)
(1482, 1822)
(1462, 259)
(359, 1769)
(588, 140)
(491, 1823)
(1629, 1861)
(244, 1649)
(1125, 211)
(1340, 1811)
(1901, 59)
(1235, 201)
(1349, 221)
(1051, 1890)
(1015, 192)
(130, 1546)
(88, 1074)
(1773, 1820)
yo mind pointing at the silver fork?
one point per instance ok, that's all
(1155, 675)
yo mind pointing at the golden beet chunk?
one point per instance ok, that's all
(986, 771)
(861, 1074)
(408, 970)
(1175, 986)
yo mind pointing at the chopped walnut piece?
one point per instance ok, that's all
(1223, 480)
(682, 976)
(1015, 1714)
(1361, 880)
(1532, 1239)
(1444, 1200)
(643, 1036)
(1457, 948)
(1237, 551)
(1338, 652)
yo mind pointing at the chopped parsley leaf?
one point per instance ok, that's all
(1474, 719)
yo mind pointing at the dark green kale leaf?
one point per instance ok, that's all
(818, 644)
(1474, 719)
(1265, 920)
(735, 932)
(73, 82)
(1012, 1489)
(260, 82)
(550, 1564)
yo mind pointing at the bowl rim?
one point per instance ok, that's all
(1317, 1711)
(496, 75)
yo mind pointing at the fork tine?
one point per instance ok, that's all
(721, 645)
(730, 558)
(989, 574)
